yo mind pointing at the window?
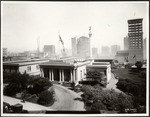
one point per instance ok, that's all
(37, 67)
(28, 68)
(81, 73)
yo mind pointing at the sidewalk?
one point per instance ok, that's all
(112, 83)
(26, 106)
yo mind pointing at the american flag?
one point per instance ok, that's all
(60, 39)
(134, 56)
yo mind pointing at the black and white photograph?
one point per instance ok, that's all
(78, 58)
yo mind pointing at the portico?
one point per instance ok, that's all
(63, 72)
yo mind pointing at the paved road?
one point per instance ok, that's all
(112, 83)
(26, 106)
(65, 100)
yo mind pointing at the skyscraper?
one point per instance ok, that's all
(83, 47)
(114, 49)
(94, 52)
(74, 46)
(144, 49)
(135, 34)
(49, 50)
(126, 43)
(105, 51)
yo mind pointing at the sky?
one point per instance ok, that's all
(25, 22)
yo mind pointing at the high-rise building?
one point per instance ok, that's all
(83, 47)
(74, 46)
(114, 49)
(135, 34)
(4, 52)
(94, 52)
(49, 50)
(105, 51)
(144, 49)
(126, 43)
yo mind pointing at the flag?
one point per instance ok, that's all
(60, 39)
(134, 56)
(90, 28)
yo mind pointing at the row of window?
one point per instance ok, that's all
(29, 68)
(135, 42)
(135, 47)
(135, 24)
(133, 31)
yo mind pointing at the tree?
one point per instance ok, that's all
(46, 97)
(39, 84)
(139, 64)
(16, 83)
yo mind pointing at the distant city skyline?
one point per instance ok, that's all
(24, 22)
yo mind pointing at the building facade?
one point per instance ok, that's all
(95, 52)
(74, 46)
(105, 51)
(69, 70)
(122, 56)
(83, 47)
(126, 43)
(144, 49)
(5, 53)
(114, 49)
(49, 50)
(31, 67)
(135, 34)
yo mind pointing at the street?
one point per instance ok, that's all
(67, 100)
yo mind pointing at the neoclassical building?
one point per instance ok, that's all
(65, 70)
(69, 69)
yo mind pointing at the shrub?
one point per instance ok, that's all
(12, 89)
(46, 97)
(138, 64)
(39, 85)
(106, 99)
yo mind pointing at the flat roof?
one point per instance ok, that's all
(23, 63)
(97, 66)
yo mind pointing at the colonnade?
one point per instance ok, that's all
(61, 75)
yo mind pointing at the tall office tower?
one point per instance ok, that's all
(4, 52)
(49, 50)
(94, 52)
(135, 34)
(114, 49)
(83, 47)
(144, 49)
(126, 43)
(105, 52)
(74, 46)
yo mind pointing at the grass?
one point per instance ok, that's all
(126, 74)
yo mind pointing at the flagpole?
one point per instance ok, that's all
(58, 45)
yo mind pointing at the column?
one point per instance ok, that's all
(42, 73)
(52, 75)
(63, 75)
(73, 75)
(76, 71)
(71, 80)
(60, 75)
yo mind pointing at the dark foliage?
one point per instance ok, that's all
(139, 64)
(136, 89)
(46, 97)
(99, 99)
(16, 83)
(39, 84)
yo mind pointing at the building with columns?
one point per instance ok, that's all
(64, 70)
(71, 70)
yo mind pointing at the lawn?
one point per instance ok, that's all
(123, 73)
